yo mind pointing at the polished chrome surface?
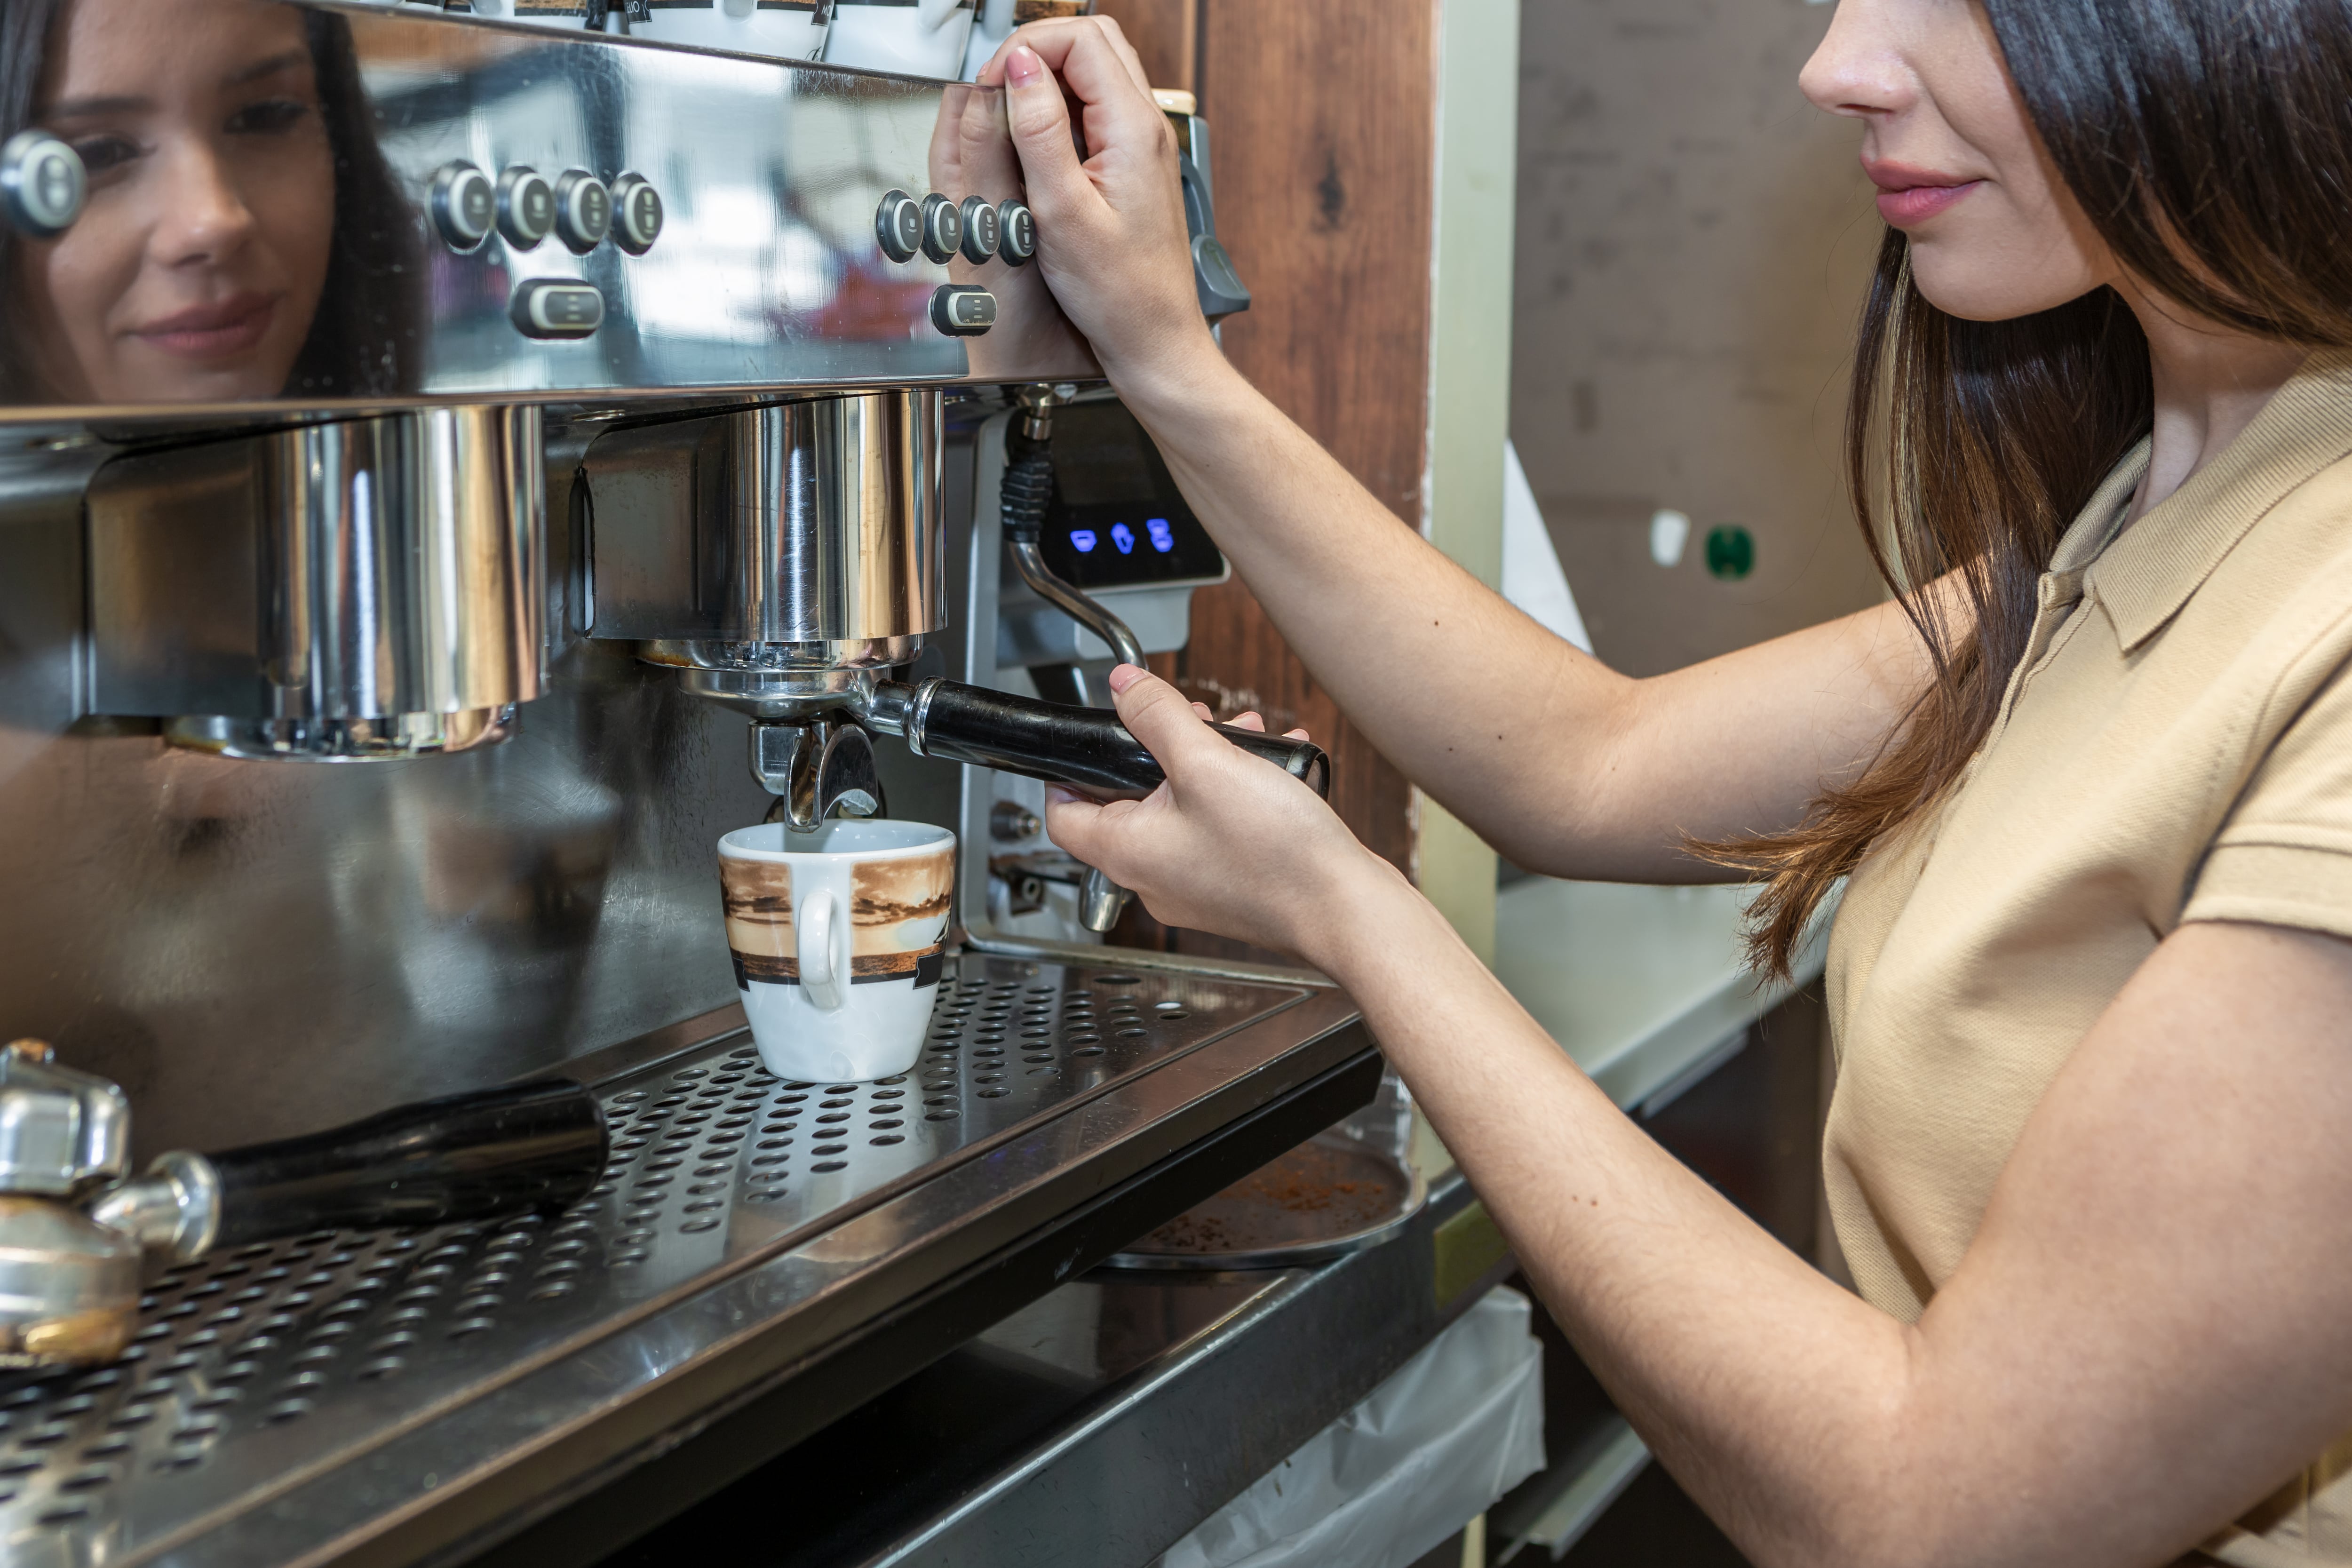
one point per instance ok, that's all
(365, 588)
(299, 1399)
(61, 1131)
(1119, 1385)
(794, 539)
(765, 273)
(173, 1210)
(1082, 608)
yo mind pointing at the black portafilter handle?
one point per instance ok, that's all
(1087, 749)
(536, 1145)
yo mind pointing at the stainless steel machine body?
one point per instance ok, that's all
(356, 524)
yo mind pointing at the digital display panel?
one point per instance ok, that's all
(1116, 519)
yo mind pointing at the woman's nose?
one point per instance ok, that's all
(203, 214)
(1859, 68)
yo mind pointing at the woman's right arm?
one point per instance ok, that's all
(1561, 763)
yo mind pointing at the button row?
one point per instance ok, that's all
(578, 209)
(941, 228)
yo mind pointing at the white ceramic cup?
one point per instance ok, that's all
(779, 29)
(912, 38)
(838, 937)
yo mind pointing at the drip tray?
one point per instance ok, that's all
(403, 1396)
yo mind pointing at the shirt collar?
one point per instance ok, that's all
(2145, 575)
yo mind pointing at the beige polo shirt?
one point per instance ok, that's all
(2174, 745)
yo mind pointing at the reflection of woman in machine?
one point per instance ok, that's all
(2089, 776)
(229, 250)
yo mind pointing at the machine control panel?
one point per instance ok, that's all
(42, 184)
(636, 213)
(526, 207)
(942, 227)
(557, 307)
(583, 210)
(1116, 519)
(960, 311)
(899, 225)
(464, 204)
(1017, 227)
(976, 229)
(981, 229)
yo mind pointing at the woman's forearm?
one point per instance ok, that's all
(1559, 761)
(1406, 641)
(1772, 1393)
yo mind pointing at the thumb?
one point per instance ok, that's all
(1157, 714)
(1042, 131)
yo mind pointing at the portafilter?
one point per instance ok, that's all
(75, 1234)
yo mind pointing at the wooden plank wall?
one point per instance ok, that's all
(1322, 122)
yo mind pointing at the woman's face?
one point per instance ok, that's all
(1993, 233)
(194, 271)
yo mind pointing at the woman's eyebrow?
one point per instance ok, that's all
(271, 66)
(130, 103)
(76, 107)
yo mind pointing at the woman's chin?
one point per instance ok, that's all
(152, 377)
(1977, 289)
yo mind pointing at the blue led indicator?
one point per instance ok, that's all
(1124, 537)
(1082, 540)
(1164, 538)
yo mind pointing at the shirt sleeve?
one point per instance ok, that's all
(2284, 856)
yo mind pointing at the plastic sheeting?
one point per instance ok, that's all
(1428, 1451)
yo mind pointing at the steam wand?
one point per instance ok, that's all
(1026, 490)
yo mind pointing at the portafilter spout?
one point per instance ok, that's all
(74, 1234)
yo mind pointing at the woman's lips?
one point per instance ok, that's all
(230, 326)
(1908, 195)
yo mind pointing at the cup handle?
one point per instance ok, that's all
(821, 974)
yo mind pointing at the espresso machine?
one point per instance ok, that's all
(453, 468)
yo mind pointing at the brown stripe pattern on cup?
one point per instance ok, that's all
(759, 921)
(899, 917)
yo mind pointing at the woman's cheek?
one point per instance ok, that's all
(82, 284)
(292, 197)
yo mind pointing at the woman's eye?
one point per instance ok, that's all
(272, 117)
(102, 153)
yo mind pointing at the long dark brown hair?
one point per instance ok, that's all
(2210, 143)
(362, 336)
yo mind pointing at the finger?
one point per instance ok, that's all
(1250, 720)
(1203, 709)
(1042, 132)
(1055, 37)
(1081, 827)
(1298, 734)
(1157, 714)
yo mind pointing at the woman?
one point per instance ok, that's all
(2092, 779)
(237, 242)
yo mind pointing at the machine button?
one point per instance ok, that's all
(942, 227)
(1017, 230)
(526, 207)
(898, 226)
(981, 229)
(960, 311)
(557, 307)
(464, 204)
(42, 184)
(583, 210)
(636, 213)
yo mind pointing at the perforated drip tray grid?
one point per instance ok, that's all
(261, 1371)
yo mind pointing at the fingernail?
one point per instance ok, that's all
(1022, 67)
(1057, 796)
(1124, 676)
